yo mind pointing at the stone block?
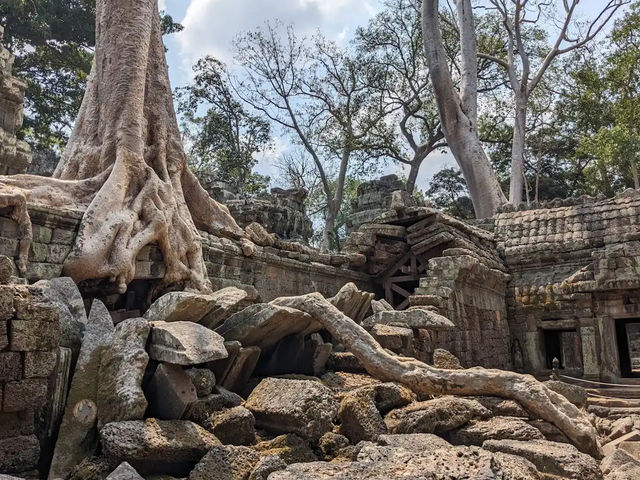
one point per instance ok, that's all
(63, 236)
(39, 364)
(185, 343)
(29, 335)
(235, 426)
(24, 394)
(10, 366)
(4, 335)
(170, 392)
(6, 303)
(19, 454)
(28, 308)
(16, 424)
(42, 234)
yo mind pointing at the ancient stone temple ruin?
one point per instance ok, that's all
(148, 335)
(15, 154)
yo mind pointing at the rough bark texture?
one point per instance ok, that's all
(458, 111)
(124, 165)
(426, 380)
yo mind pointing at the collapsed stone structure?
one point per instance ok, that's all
(15, 154)
(281, 211)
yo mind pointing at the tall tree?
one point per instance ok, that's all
(124, 165)
(323, 95)
(226, 139)
(458, 107)
(392, 41)
(526, 65)
(53, 42)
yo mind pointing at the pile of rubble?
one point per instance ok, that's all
(224, 387)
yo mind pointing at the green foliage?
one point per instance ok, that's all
(225, 140)
(53, 43)
(448, 192)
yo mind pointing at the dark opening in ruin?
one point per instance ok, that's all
(564, 345)
(628, 339)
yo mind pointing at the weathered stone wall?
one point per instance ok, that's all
(472, 296)
(575, 269)
(29, 338)
(15, 154)
(373, 198)
(292, 269)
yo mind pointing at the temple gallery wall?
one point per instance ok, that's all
(562, 280)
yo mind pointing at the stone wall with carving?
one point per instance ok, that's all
(575, 267)
(15, 155)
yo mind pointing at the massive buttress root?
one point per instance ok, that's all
(124, 165)
(427, 380)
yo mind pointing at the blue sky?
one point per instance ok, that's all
(211, 25)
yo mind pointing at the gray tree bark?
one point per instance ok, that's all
(424, 379)
(124, 165)
(458, 111)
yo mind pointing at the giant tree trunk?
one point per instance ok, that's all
(516, 185)
(458, 111)
(124, 165)
(413, 175)
(426, 380)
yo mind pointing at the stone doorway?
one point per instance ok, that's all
(565, 345)
(628, 341)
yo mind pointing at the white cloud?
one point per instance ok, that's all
(162, 4)
(211, 25)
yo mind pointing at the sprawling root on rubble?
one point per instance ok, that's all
(124, 165)
(427, 380)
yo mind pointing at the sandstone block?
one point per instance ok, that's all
(203, 380)
(266, 466)
(226, 463)
(19, 454)
(305, 407)
(170, 392)
(10, 366)
(180, 306)
(39, 364)
(185, 343)
(24, 394)
(290, 447)
(17, 424)
(496, 428)
(78, 427)
(434, 416)
(157, 446)
(122, 366)
(228, 301)
(6, 303)
(444, 359)
(550, 458)
(124, 472)
(234, 426)
(30, 335)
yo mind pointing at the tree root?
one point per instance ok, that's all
(427, 380)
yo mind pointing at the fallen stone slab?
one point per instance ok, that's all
(226, 463)
(352, 301)
(444, 359)
(413, 441)
(124, 472)
(170, 392)
(305, 407)
(434, 416)
(574, 393)
(263, 325)
(228, 301)
(78, 435)
(631, 447)
(157, 446)
(496, 428)
(180, 306)
(185, 343)
(415, 317)
(200, 410)
(550, 458)
(620, 466)
(241, 369)
(122, 366)
(64, 294)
